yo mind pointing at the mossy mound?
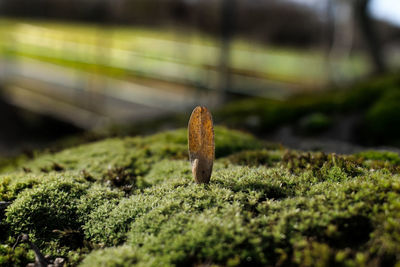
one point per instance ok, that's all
(132, 201)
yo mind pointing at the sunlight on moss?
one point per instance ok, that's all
(132, 201)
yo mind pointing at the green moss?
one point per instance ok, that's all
(256, 157)
(115, 256)
(168, 168)
(132, 157)
(375, 160)
(387, 156)
(132, 201)
(249, 219)
(18, 257)
(50, 206)
(94, 197)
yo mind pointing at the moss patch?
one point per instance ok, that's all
(132, 201)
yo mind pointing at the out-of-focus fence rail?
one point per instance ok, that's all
(93, 73)
(111, 72)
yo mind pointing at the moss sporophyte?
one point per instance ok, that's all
(201, 144)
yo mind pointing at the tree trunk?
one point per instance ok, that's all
(226, 31)
(370, 36)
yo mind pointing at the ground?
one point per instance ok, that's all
(132, 201)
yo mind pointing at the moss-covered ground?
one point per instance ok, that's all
(132, 202)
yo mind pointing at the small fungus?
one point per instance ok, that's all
(201, 144)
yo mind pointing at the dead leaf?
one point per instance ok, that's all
(201, 144)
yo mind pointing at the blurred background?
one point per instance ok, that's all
(311, 74)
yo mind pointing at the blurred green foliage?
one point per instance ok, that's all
(315, 123)
(383, 117)
(377, 100)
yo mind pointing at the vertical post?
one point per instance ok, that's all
(327, 35)
(341, 42)
(227, 30)
(370, 35)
